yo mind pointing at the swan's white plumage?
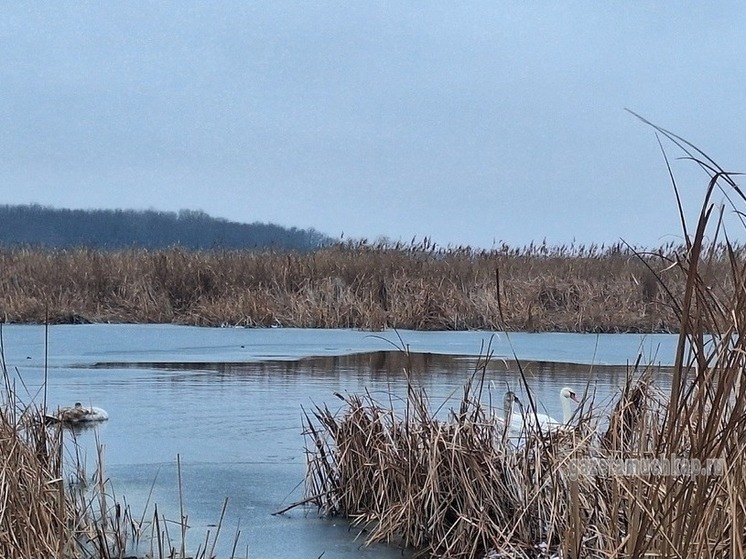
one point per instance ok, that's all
(517, 421)
(97, 414)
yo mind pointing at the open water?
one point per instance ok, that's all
(230, 402)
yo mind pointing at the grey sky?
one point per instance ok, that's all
(469, 123)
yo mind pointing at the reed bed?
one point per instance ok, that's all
(34, 514)
(355, 285)
(655, 473)
(51, 508)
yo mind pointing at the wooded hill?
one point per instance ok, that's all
(39, 226)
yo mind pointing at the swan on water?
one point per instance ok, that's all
(517, 420)
(79, 414)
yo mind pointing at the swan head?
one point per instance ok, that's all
(569, 393)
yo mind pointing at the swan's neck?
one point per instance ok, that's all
(567, 410)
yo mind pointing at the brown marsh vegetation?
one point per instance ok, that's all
(51, 507)
(460, 487)
(419, 286)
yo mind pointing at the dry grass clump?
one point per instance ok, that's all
(50, 507)
(455, 487)
(661, 473)
(34, 515)
(354, 285)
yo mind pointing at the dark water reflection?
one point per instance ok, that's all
(390, 370)
(237, 425)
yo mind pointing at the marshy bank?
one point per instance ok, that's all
(417, 286)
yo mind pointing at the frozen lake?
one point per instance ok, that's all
(229, 402)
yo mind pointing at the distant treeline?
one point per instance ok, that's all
(39, 226)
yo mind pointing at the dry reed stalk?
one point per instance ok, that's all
(34, 513)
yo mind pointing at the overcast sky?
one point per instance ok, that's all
(468, 122)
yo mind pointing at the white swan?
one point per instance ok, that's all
(79, 414)
(516, 421)
(547, 422)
